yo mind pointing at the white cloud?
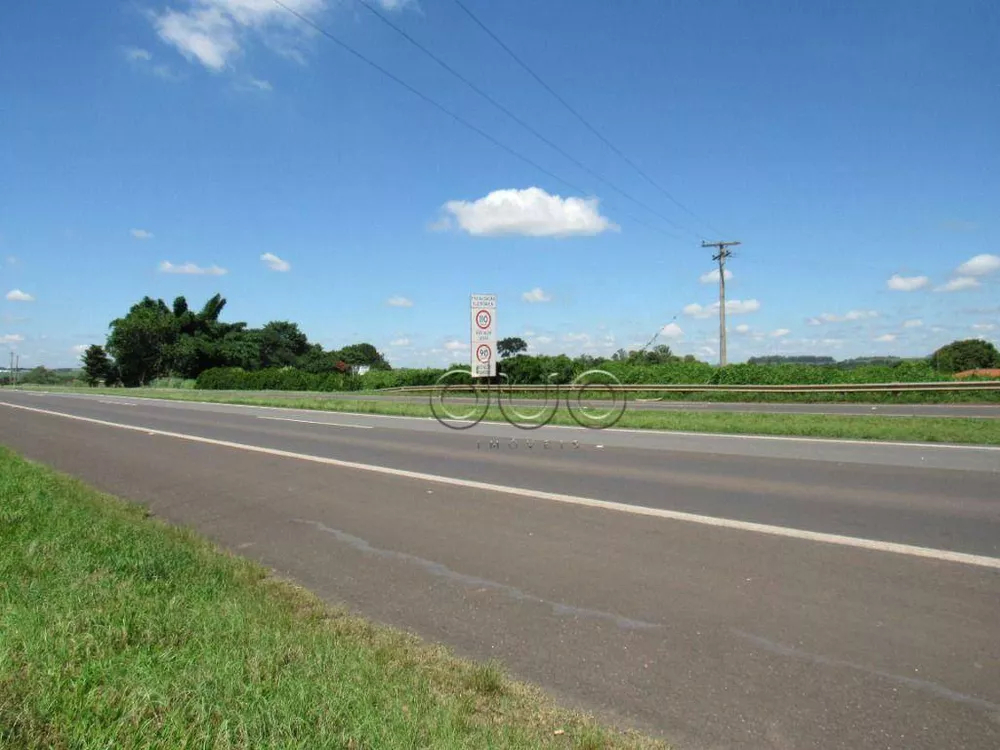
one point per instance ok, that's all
(275, 263)
(536, 295)
(712, 277)
(983, 326)
(531, 212)
(137, 53)
(455, 346)
(400, 342)
(671, 331)
(212, 32)
(165, 72)
(958, 284)
(886, 337)
(979, 265)
(907, 283)
(860, 314)
(733, 307)
(11, 338)
(850, 315)
(399, 302)
(742, 328)
(779, 333)
(261, 84)
(582, 338)
(141, 234)
(16, 295)
(191, 269)
(544, 340)
(79, 349)
(915, 323)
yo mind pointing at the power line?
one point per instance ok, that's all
(580, 117)
(456, 117)
(593, 173)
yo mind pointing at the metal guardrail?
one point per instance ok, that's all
(965, 385)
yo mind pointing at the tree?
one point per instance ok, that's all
(510, 346)
(969, 354)
(658, 355)
(315, 360)
(96, 365)
(39, 376)
(363, 354)
(141, 341)
(281, 344)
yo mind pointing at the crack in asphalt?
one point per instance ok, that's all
(913, 682)
(442, 571)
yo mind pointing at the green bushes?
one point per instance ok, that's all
(523, 369)
(290, 379)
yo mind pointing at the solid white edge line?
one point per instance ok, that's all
(635, 431)
(313, 421)
(639, 510)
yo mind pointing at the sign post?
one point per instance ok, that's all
(483, 349)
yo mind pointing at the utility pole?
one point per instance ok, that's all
(724, 252)
(17, 368)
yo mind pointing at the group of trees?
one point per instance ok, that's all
(156, 340)
(962, 356)
(658, 355)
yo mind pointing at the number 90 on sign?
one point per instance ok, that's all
(483, 353)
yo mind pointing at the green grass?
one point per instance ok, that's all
(907, 429)
(118, 631)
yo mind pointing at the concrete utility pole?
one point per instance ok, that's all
(721, 256)
(17, 367)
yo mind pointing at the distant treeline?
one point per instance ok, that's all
(156, 341)
(845, 364)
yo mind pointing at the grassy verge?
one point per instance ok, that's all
(120, 631)
(906, 429)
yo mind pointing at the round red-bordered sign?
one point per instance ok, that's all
(484, 319)
(483, 353)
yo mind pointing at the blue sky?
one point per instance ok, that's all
(192, 147)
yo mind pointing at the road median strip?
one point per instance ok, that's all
(958, 430)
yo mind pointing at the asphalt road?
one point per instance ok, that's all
(817, 595)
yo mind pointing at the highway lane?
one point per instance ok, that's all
(641, 403)
(948, 500)
(714, 637)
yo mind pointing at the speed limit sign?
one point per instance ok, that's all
(484, 335)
